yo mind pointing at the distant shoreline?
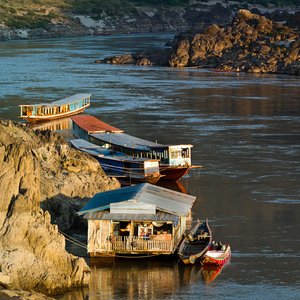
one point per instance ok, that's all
(146, 20)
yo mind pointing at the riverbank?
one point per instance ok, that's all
(251, 43)
(38, 168)
(55, 22)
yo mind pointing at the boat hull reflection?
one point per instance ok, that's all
(57, 125)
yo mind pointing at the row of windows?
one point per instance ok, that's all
(44, 110)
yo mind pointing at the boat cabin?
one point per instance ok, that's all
(100, 133)
(54, 110)
(140, 219)
(171, 155)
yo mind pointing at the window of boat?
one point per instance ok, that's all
(125, 228)
(162, 228)
(175, 153)
(185, 152)
(24, 110)
(116, 228)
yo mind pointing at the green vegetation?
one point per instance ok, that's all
(30, 13)
(97, 7)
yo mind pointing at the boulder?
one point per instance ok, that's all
(180, 57)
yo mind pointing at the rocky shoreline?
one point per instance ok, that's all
(251, 43)
(36, 167)
(157, 18)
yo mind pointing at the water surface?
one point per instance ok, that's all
(246, 133)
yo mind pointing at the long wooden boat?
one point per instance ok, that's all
(217, 254)
(175, 160)
(63, 108)
(131, 169)
(195, 244)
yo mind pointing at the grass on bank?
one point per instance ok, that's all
(30, 13)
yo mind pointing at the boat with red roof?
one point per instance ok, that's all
(175, 160)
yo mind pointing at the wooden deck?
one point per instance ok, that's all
(135, 245)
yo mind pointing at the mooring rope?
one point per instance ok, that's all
(78, 243)
(72, 240)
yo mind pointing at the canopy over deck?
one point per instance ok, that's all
(128, 141)
(140, 199)
(67, 100)
(105, 215)
(99, 151)
(93, 125)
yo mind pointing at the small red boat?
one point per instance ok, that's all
(217, 254)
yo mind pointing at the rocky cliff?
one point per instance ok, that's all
(251, 43)
(35, 166)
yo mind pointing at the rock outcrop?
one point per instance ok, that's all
(35, 166)
(252, 43)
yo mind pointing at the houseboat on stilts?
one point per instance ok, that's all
(141, 219)
(63, 108)
(175, 160)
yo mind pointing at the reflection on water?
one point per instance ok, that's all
(57, 125)
(173, 185)
(150, 278)
(210, 273)
(145, 279)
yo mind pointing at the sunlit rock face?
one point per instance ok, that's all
(35, 166)
(250, 43)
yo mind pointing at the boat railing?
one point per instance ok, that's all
(137, 244)
(128, 171)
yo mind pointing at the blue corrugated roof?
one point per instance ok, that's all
(163, 199)
(102, 200)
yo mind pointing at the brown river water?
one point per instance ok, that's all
(245, 130)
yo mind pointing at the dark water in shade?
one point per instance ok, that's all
(246, 133)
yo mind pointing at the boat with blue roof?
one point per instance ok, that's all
(142, 219)
(117, 164)
(174, 160)
(47, 111)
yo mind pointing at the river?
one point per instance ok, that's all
(245, 129)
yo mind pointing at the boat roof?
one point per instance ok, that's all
(128, 141)
(106, 215)
(93, 125)
(70, 99)
(99, 151)
(142, 198)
